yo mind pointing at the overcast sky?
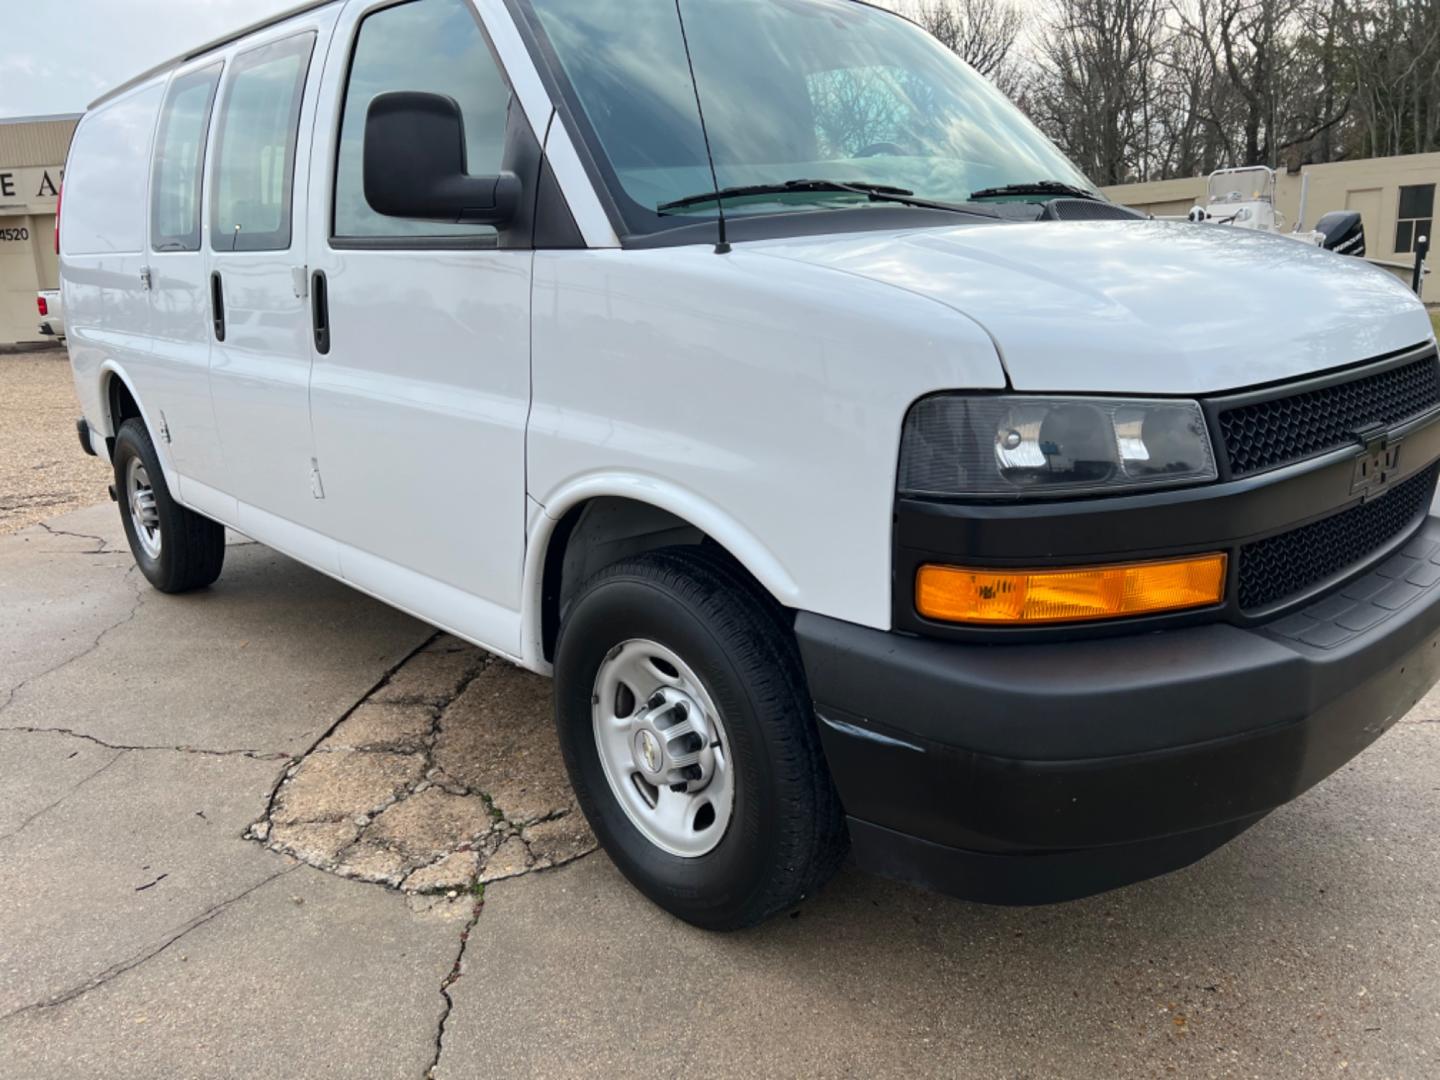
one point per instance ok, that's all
(59, 55)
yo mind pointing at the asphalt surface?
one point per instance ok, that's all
(146, 931)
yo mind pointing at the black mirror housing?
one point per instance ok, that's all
(415, 164)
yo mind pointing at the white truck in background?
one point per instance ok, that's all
(52, 313)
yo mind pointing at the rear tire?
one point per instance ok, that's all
(711, 640)
(176, 549)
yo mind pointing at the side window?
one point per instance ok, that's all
(255, 150)
(434, 46)
(180, 161)
(1417, 213)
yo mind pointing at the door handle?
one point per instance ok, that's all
(320, 311)
(217, 305)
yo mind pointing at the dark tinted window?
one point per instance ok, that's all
(1417, 201)
(434, 46)
(255, 151)
(1417, 207)
(180, 161)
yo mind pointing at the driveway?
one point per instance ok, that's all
(277, 829)
(42, 471)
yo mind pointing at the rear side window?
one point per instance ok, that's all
(255, 150)
(180, 161)
(106, 176)
(433, 46)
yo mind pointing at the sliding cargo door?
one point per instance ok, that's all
(259, 312)
(178, 387)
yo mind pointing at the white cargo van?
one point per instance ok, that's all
(863, 477)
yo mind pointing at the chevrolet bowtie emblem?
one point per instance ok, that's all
(1377, 466)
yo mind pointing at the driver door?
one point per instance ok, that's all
(420, 387)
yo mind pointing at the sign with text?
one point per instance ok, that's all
(30, 190)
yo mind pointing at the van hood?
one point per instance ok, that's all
(1145, 307)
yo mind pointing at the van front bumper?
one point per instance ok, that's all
(1032, 773)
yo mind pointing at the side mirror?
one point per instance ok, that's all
(415, 165)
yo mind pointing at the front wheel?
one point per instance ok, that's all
(690, 739)
(176, 549)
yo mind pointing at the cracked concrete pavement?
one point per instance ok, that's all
(448, 774)
(276, 828)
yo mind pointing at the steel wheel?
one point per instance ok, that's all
(140, 497)
(663, 748)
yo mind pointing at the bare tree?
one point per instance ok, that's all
(983, 33)
(1391, 64)
(1150, 89)
(1094, 88)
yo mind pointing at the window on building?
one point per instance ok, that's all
(436, 47)
(255, 149)
(1417, 215)
(180, 161)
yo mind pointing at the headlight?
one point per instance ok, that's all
(1050, 446)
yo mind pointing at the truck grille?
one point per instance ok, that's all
(1283, 430)
(1289, 564)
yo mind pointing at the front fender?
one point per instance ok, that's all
(714, 522)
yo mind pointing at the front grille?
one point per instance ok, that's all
(1283, 430)
(1287, 565)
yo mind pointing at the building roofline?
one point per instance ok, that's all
(49, 118)
(210, 46)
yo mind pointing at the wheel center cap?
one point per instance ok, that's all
(648, 754)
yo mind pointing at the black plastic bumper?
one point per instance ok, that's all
(82, 429)
(1031, 773)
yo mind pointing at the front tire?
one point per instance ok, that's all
(176, 549)
(690, 739)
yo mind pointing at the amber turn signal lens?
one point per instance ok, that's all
(1070, 594)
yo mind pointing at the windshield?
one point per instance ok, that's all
(791, 90)
(1240, 185)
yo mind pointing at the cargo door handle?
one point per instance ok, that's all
(217, 305)
(320, 311)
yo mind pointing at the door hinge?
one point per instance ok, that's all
(164, 428)
(145, 279)
(316, 487)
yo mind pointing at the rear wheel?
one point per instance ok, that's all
(176, 549)
(690, 739)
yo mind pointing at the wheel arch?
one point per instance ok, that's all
(601, 519)
(120, 402)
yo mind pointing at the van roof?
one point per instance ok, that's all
(218, 43)
(289, 13)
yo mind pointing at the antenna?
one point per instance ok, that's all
(723, 246)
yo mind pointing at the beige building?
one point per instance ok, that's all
(1395, 196)
(32, 163)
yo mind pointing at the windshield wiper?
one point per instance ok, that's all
(1036, 187)
(875, 192)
